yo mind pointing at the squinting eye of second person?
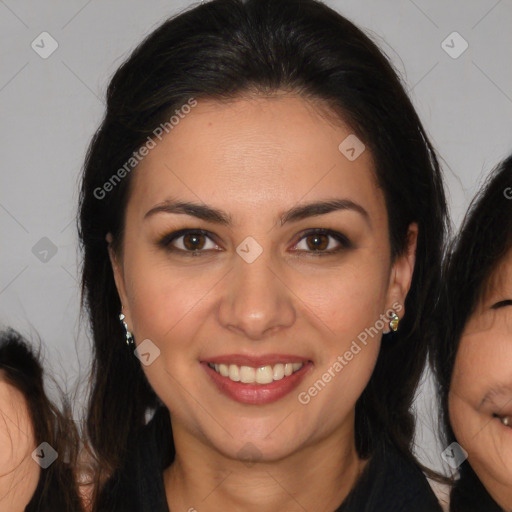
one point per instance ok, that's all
(502, 303)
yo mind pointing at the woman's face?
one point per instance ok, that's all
(480, 399)
(262, 296)
(19, 474)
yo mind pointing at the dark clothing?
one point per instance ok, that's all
(389, 483)
(55, 493)
(469, 494)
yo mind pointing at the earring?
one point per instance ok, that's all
(393, 323)
(129, 336)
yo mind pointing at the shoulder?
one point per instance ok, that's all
(391, 482)
(413, 492)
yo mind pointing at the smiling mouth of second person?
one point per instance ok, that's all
(505, 420)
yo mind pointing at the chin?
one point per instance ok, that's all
(267, 440)
(251, 451)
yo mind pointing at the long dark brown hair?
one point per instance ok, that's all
(220, 50)
(20, 367)
(484, 239)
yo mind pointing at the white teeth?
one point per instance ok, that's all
(278, 372)
(260, 375)
(247, 374)
(264, 375)
(234, 373)
(506, 421)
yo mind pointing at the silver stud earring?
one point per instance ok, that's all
(129, 335)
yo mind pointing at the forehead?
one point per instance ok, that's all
(499, 284)
(259, 152)
(498, 288)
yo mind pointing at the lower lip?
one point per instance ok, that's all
(257, 394)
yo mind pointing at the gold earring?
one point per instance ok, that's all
(393, 323)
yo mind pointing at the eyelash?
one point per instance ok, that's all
(165, 241)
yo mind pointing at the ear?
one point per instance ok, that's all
(117, 269)
(401, 273)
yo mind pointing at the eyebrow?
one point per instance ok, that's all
(217, 216)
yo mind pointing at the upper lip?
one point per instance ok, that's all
(255, 361)
(502, 414)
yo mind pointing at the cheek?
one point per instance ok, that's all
(350, 303)
(462, 418)
(349, 300)
(466, 391)
(161, 296)
(16, 431)
(481, 362)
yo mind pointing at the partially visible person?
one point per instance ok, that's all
(34, 477)
(473, 352)
(18, 473)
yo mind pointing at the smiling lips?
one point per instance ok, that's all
(257, 380)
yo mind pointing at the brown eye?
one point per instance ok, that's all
(317, 242)
(188, 242)
(323, 242)
(193, 241)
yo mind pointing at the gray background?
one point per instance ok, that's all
(51, 107)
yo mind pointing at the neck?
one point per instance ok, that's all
(316, 477)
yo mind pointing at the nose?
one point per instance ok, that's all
(257, 300)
